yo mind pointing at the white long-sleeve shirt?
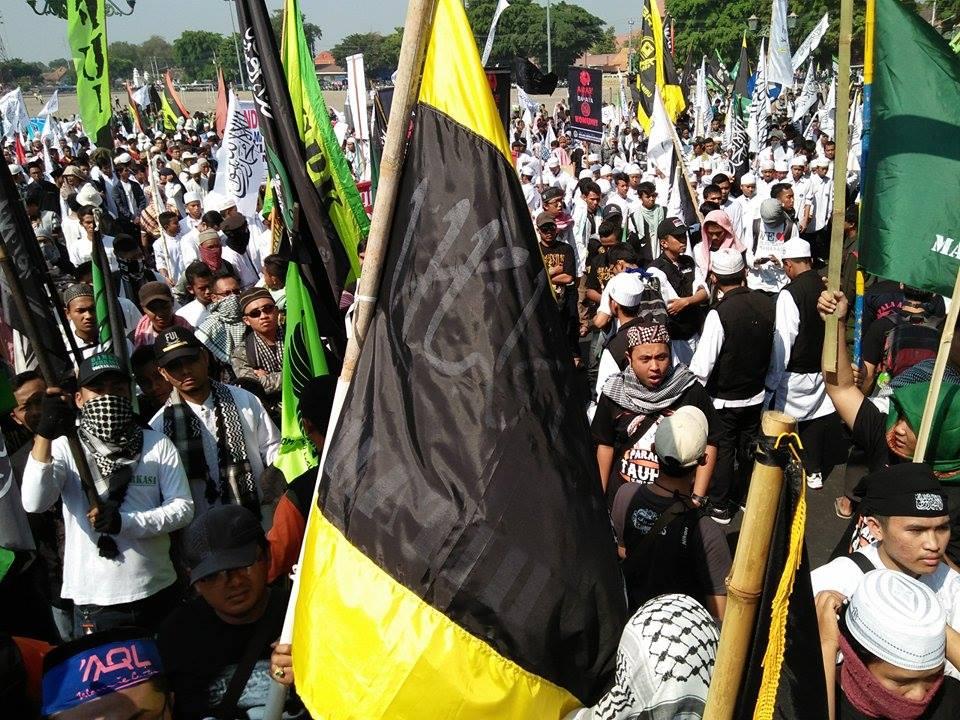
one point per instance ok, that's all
(260, 436)
(802, 395)
(157, 503)
(169, 254)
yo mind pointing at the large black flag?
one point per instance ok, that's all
(19, 242)
(531, 78)
(287, 160)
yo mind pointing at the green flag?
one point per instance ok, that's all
(303, 360)
(87, 33)
(167, 113)
(100, 302)
(326, 166)
(910, 220)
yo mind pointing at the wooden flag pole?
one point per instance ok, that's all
(746, 575)
(841, 132)
(416, 32)
(939, 367)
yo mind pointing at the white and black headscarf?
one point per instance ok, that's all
(664, 664)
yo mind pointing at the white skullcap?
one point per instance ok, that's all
(626, 289)
(606, 170)
(726, 261)
(194, 169)
(899, 620)
(820, 162)
(780, 167)
(554, 161)
(191, 197)
(748, 179)
(795, 249)
(593, 158)
(632, 169)
(585, 173)
(187, 155)
(122, 159)
(798, 161)
(88, 195)
(604, 186)
(226, 203)
(767, 165)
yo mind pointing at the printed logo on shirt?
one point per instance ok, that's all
(639, 463)
(144, 480)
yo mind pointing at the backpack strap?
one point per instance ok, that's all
(862, 562)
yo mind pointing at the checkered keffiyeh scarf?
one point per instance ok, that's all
(224, 329)
(235, 484)
(664, 663)
(628, 392)
(269, 357)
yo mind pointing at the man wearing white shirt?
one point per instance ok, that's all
(199, 283)
(801, 190)
(820, 196)
(749, 204)
(765, 241)
(192, 203)
(117, 567)
(167, 249)
(222, 432)
(731, 362)
(239, 251)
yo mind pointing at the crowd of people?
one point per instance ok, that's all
(168, 571)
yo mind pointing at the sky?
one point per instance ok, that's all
(27, 36)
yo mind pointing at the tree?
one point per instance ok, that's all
(522, 30)
(606, 43)
(196, 53)
(313, 32)
(20, 72)
(124, 57)
(703, 27)
(380, 52)
(227, 56)
(156, 48)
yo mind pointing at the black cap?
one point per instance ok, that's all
(177, 342)
(671, 226)
(97, 366)
(612, 209)
(904, 490)
(225, 537)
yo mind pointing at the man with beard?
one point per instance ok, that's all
(117, 567)
(239, 251)
(632, 405)
(223, 433)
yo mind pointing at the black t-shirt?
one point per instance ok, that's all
(637, 462)
(200, 653)
(691, 555)
(875, 338)
(599, 271)
(945, 704)
(560, 254)
(869, 433)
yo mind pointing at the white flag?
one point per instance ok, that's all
(13, 113)
(141, 97)
(808, 95)
(488, 47)
(357, 94)
(53, 104)
(703, 108)
(779, 66)
(660, 145)
(828, 114)
(242, 168)
(811, 43)
(136, 78)
(759, 126)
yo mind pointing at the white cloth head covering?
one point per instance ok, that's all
(780, 167)
(122, 159)
(767, 165)
(748, 179)
(664, 664)
(585, 173)
(88, 195)
(190, 197)
(14, 169)
(820, 162)
(726, 261)
(605, 170)
(553, 162)
(194, 169)
(626, 289)
(798, 161)
(632, 169)
(898, 619)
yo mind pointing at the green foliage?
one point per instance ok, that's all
(522, 30)
(227, 56)
(380, 52)
(702, 26)
(312, 32)
(606, 43)
(124, 57)
(155, 47)
(195, 52)
(21, 72)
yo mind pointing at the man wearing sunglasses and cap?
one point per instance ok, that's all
(117, 567)
(258, 360)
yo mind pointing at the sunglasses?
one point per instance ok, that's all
(268, 309)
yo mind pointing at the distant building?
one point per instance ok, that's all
(328, 72)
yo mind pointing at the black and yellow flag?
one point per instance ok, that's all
(460, 561)
(655, 69)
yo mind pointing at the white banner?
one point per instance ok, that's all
(779, 67)
(811, 43)
(357, 93)
(759, 125)
(807, 97)
(13, 113)
(488, 47)
(660, 147)
(242, 164)
(53, 104)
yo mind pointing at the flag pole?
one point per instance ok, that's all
(943, 355)
(745, 581)
(842, 132)
(407, 88)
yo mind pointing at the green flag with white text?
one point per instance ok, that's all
(87, 33)
(303, 360)
(910, 219)
(326, 165)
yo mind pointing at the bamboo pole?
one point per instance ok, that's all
(943, 354)
(842, 138)
(746, 575)
(407, 88)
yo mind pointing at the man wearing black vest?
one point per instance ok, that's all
(794, 382)
(731, 361)
(685, 291)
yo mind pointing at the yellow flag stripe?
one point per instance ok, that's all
(366, 648)
(453, 78)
